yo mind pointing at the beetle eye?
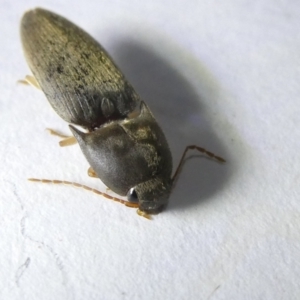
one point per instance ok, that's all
(132, 196)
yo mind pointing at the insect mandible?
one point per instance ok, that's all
(123, 143)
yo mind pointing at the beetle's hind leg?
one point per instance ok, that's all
(30, 80)
(67, 140)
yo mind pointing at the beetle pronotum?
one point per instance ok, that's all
(124, 145)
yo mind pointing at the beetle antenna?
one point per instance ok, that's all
(202, 150)
(78, 185)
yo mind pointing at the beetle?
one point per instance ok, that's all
(123, 143)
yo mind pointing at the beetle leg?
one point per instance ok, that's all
(67, 139)
(56, 133)
(202, 150)
(30, 80)
(143, 214)
(91, 172)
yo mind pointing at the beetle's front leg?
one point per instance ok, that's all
(92, 173)
(143, 214)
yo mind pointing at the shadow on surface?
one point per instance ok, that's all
(177, 108)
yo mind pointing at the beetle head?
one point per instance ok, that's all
(151, 195)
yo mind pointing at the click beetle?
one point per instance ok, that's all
(122, 142)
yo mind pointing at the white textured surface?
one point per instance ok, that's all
(221, 74)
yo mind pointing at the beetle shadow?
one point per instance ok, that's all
(178, 109)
